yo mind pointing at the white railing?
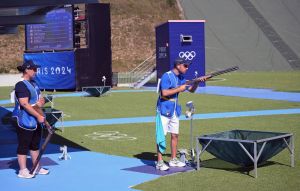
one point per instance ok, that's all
(141, 65)
(144, 70)
(138, 74)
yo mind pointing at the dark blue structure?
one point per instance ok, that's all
(184, 39)
(64, 67)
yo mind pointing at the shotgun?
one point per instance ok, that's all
(217, 73)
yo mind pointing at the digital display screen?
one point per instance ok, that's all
(56, 34)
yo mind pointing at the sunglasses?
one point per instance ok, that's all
(186, 65)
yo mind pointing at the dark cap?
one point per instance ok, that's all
(181, 61)
(28, 64)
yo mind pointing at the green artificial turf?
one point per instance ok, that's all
(5, 92)
(140, 104)
(279, 81)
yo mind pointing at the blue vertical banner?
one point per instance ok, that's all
(57, 69)
(162, 49)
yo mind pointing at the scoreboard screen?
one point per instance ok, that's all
(55, 34)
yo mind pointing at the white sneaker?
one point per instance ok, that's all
(176, 163)
(24, 173)
(41, 171)
(160, 165)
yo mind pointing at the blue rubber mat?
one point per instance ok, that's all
(85, 171)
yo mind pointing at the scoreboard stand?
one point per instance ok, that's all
(65, 66)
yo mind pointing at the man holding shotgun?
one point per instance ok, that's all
(168, 110)
(27, 118)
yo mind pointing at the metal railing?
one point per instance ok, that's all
(138, 74)
(144, 70)
(144, 63)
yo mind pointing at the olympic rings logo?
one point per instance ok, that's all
(187, 55)
(110, 136)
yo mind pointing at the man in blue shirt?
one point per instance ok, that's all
(27, 117)
(168, 110)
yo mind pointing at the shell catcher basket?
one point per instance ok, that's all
(245, 148)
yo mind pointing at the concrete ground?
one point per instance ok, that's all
(9, 79)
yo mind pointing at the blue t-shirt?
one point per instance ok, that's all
(22, 91)
(167, 105)
(170, 80)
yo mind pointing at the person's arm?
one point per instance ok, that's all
(41, 112)
(195, 85)
(169, 92)
(25, 104)
(41, 102)
(165, 86)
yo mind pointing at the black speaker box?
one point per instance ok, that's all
(94, 62)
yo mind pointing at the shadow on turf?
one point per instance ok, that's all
(148, 158)
(59, 140)
(13, 164)
(223, 165)
(11, 143)
(9, 138)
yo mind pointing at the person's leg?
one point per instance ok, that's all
(35, 143)
(159, 155)
(164, 121)
(174, 129)
(39, 169)
(174, 142)
(174, 162)
(23, 172)
(34, 155)
(24, 137)
(22, 161)
(34, 151)
(160, 165)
